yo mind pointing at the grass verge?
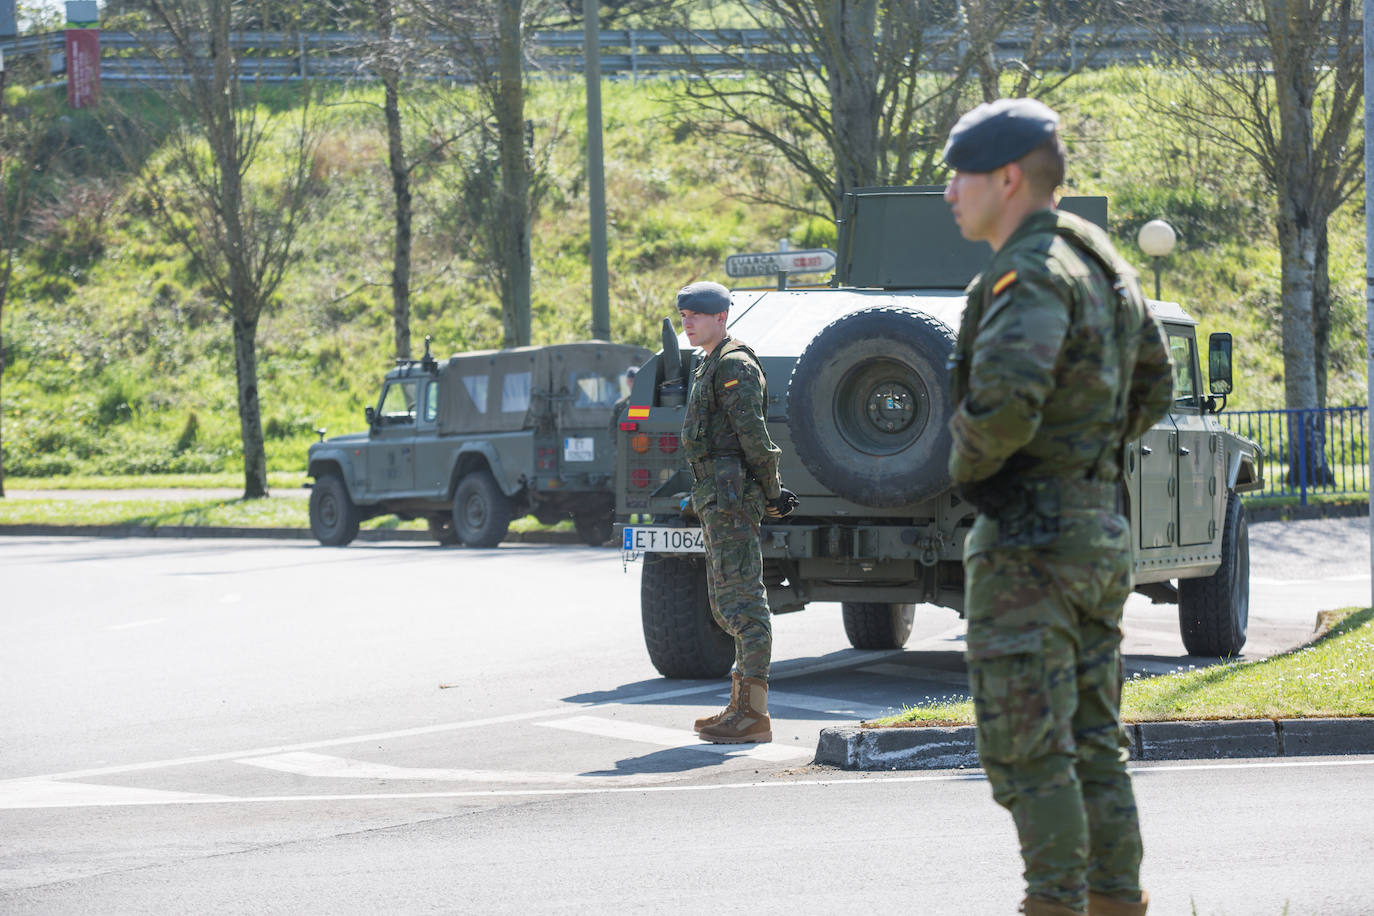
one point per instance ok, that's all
(278, 512)
(1331, 676)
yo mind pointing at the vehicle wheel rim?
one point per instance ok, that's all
(329, 512)
(881, 407)
(474, 512)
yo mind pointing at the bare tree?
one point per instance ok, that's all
(853, 93)
(1281, 83)
(27, 145)
(238, 228)
(486, 46)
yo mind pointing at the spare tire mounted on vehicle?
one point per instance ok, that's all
(869, 407)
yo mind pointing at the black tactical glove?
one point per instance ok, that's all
(783, 505)
(992, 495)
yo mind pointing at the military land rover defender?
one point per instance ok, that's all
(477, 440)
(859, 404)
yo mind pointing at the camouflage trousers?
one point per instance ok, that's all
(1044, 658)
(734, 580)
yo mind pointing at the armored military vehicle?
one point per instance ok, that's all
(479, 439)
(859, 403)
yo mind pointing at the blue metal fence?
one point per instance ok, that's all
(1306, 452)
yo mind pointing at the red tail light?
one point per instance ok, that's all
(668, 444)
(640, 477)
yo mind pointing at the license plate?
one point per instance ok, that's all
(645, 539)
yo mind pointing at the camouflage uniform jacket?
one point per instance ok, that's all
(726, 415)
(1058, 358)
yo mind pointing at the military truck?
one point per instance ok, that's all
(479, 439)
(858, 401)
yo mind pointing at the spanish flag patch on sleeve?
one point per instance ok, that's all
(731, 384)
(1007, 279)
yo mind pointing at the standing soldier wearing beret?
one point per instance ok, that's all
(1058, 364)
(735, 468)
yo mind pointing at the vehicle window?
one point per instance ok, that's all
(1181, 352)
(515, 392)
(398, 403)
(592, 389)
(476, 386)
(431, 401)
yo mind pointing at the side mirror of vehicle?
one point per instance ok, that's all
(1219, 363)
(370, 413)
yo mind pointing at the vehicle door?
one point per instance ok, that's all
(391, 444)
(1200, 455)
(433, 457)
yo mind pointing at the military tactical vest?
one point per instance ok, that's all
(706, 431)
(1082, 419)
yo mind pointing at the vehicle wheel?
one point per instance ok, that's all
(333, 517)
(481, 512)
(869, 407)
(876, 625)
(594, 528)
(1214, 613)
(441, 529)
(679, 631)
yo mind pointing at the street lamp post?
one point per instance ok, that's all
(1157, 238)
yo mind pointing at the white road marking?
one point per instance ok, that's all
(673, 737)
(47, 793)
(827, 705)
(136, 623)
(918, 673)
(1308, 583)
(858, 780)
(319, 765)
(658, 697)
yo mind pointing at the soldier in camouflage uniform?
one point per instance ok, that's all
(1058, 364)
(735, 468)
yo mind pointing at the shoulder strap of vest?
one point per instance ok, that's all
(1130, 306)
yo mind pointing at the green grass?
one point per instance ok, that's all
(275, 480)
(151, 389)
(1331, 676)
(277, 512)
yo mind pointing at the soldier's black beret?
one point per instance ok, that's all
(705, 297)
(995, 133)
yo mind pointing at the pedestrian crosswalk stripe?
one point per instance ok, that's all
(48, 793)
(674, 737)
(324, 766)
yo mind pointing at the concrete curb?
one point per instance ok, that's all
(1310, 511)
(298, 534)
(936, 748)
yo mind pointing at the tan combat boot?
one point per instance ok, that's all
(1102, 905)
(727, 711)
(1033, 906)
(749, 723)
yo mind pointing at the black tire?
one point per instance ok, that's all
(481, 512)
(1214, 613)
(334, 519)
(594, 528)
(876, 625)
(869, 407)
(679, 631)
(441, 529)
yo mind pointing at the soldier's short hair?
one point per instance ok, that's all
(1043, 166)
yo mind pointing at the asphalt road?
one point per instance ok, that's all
(251, 726)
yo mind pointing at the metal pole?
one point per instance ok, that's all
(1156, 264)
(596, 177)
(1369, 243)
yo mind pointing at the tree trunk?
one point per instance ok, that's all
(1321, 309)
(250, 411)
(400, 187)
(515, 174)
(850, 64)
(400, 176)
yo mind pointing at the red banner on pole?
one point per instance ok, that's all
(83, 67)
